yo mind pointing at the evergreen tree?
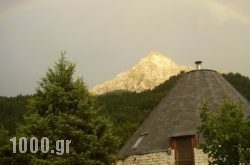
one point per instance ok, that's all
(63, 109)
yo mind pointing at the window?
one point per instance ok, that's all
(138, 141)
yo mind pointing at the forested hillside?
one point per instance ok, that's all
(126, 110)
(241, 83)
(11, 111)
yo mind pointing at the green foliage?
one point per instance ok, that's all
(62, 109)
(11, 112)
(240, 82)
(226, 133)
(127, 110)
(5, 149)
(245, 142)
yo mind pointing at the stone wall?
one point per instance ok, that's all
(200, 157)
(160, 158)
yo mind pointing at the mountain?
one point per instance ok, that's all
(149, 72)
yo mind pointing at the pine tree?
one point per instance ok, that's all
(63, 109)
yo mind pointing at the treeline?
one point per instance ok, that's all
(241, 83)
(126, 110)
(11, 111)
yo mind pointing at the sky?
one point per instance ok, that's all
(106, 37)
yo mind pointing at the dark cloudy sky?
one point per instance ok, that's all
(105, 37)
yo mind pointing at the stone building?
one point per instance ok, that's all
(169, 135)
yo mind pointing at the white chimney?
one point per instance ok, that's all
(198, 65)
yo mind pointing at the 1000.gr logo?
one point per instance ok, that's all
(34, 145)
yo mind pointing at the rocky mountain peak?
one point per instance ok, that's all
(149, 72)
(155, 56)
(157, 59)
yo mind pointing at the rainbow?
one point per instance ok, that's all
(225, 11)
(222, 10)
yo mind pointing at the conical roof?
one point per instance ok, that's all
(178, 114)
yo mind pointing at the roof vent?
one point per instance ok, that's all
(198, 65)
